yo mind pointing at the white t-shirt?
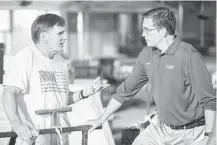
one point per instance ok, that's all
(44, 83)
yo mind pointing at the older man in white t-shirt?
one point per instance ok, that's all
(38, 79)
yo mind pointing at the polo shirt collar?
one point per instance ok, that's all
(171, 49)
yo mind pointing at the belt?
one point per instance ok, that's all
(194, 123)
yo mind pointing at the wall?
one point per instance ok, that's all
(103, 35)
(100, 36)
(191, 25)
(72, 35)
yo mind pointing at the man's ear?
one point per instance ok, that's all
(43, 36)
(163, 31)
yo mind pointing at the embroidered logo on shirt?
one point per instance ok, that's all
(148, 63)
(170, 66)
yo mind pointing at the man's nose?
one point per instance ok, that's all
(64, 39)
(64, 36)
(144, 33)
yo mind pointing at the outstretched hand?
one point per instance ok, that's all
(94, 123)
(98, 85)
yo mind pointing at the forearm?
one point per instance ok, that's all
(212, 137)
(210, 118)
(74, 97)
(10, 107)
(110, 109)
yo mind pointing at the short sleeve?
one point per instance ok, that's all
(18, 72)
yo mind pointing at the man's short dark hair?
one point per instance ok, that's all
(162, 17)
(44, 23)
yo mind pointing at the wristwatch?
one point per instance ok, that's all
(207, 133)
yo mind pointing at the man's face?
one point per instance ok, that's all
(151, 34)
(56, 39)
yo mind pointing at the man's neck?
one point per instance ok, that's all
(165, 43)
(42, 49)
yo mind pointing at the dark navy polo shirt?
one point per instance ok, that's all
(180, 82)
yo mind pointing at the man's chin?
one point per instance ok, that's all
(150, 45)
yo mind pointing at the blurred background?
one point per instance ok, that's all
(104, 39)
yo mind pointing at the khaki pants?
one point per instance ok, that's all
(157, 133)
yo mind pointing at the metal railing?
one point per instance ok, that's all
(83, 128)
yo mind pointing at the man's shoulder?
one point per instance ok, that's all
(187, 48)
(25, 53)
(25, 50)
(185, 45)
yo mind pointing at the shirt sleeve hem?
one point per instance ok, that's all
(14, 85)
(118, 98)
(209, 108)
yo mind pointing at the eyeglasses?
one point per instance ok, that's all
(148, 30)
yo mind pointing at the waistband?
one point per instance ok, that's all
(192, 124)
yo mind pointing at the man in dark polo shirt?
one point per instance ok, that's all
(180, 85)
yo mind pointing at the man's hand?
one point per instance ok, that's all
(25, 131)
(94, 123)
(214, 80)
(97, 86)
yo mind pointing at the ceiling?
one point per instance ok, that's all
(114, 6)
(48, 4)
(101, 6)
(92, 6)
